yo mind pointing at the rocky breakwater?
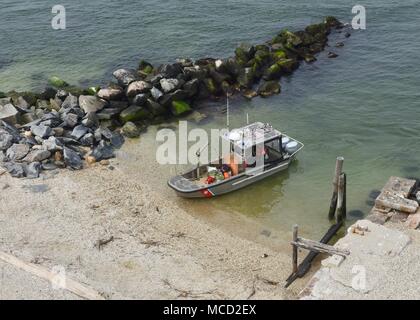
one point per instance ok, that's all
(66, 126)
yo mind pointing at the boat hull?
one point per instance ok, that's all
(231, 185)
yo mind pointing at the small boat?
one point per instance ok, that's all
(233, 171)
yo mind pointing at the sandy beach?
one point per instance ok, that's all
(158, 249)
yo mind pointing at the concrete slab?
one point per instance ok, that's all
(363, 271)
(400, 186)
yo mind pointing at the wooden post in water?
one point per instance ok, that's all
(340, 214)
(338, 170)
(295, 249)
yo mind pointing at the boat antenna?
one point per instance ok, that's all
(227, 110)
(247, 118)
(198, 154)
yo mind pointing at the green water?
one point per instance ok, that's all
(364, 105)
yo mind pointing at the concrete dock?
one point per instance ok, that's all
(384, 260)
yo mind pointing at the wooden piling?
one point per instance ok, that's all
(340, 213)
(295, 249)
(337, 173)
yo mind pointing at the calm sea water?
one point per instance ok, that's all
(364, 105)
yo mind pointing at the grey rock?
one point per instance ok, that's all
(70, 119)
(140, 99)
(55, 104)
(114, 93)
(61, 94)
(6, 139)
(169, 85)
(27, 118)
(108, 113)
(124, 76)
(191, 87)
(72, 159)
(17, 151)
(22, 103)
(58, 131)
(33, 170)
(91, 103)
(170, 70)
(130, 130)
(37, 156)
(2, 157)
(156, 93)
(41, 131)
(79, 131)
(8, 112)
(332, 55)
(70, 102)
(118, 104)
(117, 140)
(154, 79)
(43, 104)
(103, 132)
(103, 151)
(88, 139)
(15, 169)
(137, 87)
(52, 144)
(90, 120)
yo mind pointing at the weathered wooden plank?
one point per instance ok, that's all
(70, 285)
(319, 247)
(306, 264)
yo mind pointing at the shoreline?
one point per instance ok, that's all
(156, 243)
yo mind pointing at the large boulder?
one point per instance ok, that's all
(170, 70)
(125, 76)
(70, 102)
(279, 68)
(15, 169)
(137, 87)
(37, 156)
(268, 88)
(180, 107)
(195, 72)
(41, 131)
(79, 131)
(140, 99)
(244, 53)
(111, 93)
(91, 103)
(155, 108)
(103, 151)
(134, 113)
(156, 93)
(8, 113)
(169, 85)
(191, 87)
(145, 68)
(246, 78)
(72, 159)
(17, 151)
